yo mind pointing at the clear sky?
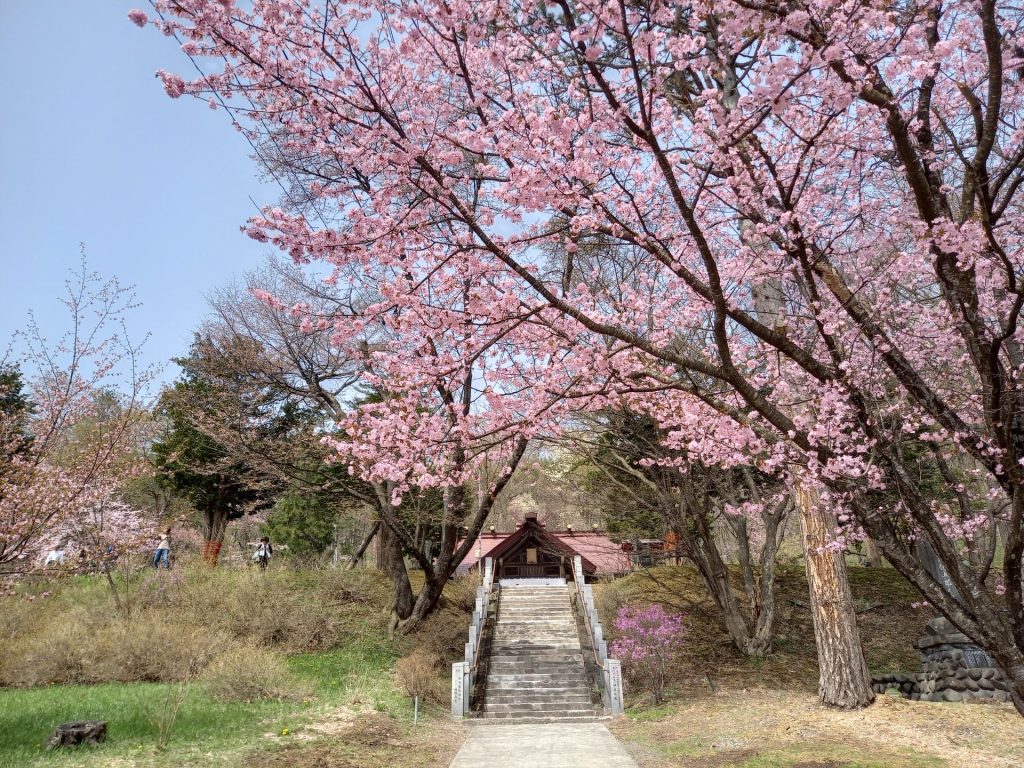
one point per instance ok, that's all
(92, 151)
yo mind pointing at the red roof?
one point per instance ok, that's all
(606, 555)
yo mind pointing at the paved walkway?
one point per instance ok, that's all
(544, 745)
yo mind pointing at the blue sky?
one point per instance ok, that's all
(92, 151)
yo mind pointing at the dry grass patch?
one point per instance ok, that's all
(373, 741)
(778, 729)
(251, 674)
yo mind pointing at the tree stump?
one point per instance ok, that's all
(74, 734)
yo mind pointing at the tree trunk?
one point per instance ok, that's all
(361, 550)
(844, 679)
(394, 564)
(216, 526)
(699, 544)
(872, 553)
(426, 601)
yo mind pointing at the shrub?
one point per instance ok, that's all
(155, 648)
(607, 599)
(63, 653)
(417, 675)
(250, 674)
(648, 639)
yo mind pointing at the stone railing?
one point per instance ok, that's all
(610, 669)
(464, 673)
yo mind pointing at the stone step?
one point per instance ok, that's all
(544, 679)
(567, 677)
(526, 614)
(516, 719)
(569, 658)
(564, 652)
(536, 671)
(530, 708)
(528, 688)
(529, 627)
(555, 660)
(535, 602)
(544, 689)
(533, 697)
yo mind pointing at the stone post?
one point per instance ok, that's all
(460, 670)
(613, 681)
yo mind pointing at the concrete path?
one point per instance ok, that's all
(541, 745)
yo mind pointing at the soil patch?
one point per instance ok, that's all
(372, 740)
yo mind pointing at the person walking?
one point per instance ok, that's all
(263, 553)
(163, 551)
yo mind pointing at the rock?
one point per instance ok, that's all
(975, 673)
(950, 695)
(74, 734)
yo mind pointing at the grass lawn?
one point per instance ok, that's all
(353, 686)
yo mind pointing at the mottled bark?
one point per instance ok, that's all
(844, 680)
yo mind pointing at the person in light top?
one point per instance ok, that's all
(263, 553)
(163, 551)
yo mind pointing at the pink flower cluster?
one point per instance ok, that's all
(645, 634)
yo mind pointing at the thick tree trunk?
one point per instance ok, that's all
(844, 679)
(394, 564)
(216, 527)
(426, 601)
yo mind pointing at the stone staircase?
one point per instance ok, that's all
(536, 670)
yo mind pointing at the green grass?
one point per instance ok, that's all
(28, 716)
(359, 675)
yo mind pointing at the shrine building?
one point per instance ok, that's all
(533, 552)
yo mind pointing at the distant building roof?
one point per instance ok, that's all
(601, 555)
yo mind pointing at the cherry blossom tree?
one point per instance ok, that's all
(859, 163)
(65, 457)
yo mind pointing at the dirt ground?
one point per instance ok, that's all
(789, 729)
(368, 740)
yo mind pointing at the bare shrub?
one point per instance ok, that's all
(62, 653)
(344, 587)
(163, 713)
(418, 675)
(607, 600)
(79, 647)
(156, 648)
(460, 594)
(16, 618)
(251, 674)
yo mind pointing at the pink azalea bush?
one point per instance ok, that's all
(647, 640)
